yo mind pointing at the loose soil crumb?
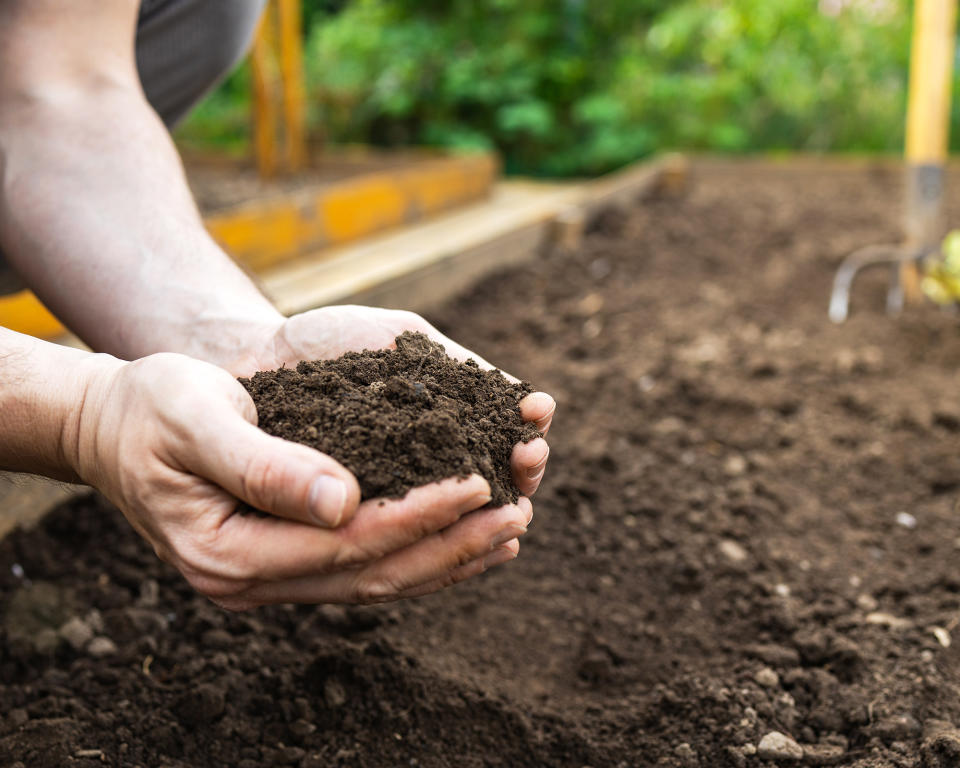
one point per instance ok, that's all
(718, 574)
(399, 418)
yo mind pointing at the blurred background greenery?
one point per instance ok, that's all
(576, 87)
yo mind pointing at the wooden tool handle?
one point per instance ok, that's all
(931, 74)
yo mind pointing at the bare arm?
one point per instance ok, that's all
(95, 211)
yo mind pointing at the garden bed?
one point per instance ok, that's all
(748, 526)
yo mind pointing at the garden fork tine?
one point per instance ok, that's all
(872, 255)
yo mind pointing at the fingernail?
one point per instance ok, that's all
(543, 423)
(511, 532)
(498, 557)
(328, 497)
(527, 509)
(478, 499)
(536, 470)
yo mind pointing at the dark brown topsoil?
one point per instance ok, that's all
(749, 525)
(399, 418)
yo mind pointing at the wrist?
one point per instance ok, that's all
(43, 387)
(79, 441)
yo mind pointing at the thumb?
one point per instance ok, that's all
(274, 475)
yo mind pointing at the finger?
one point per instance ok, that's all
(528, 462)
(502, 554)
(383, 527)
(476, 536)
(539, 408)
(274, 475)
(256, 548)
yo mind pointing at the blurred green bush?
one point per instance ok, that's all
(570, 87)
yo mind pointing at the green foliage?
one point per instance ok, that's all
(222, 120)
(569, 87)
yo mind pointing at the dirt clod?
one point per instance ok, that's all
(399, 418)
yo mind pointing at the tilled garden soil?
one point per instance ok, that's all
(748, 526)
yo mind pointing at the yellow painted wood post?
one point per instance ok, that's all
(928, 126)
(264, 97)
(291, 69)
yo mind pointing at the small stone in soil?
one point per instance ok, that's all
(101, 647)
(735, 465)
(906, 520)
(780, 747)
(888, 620)
(767, 678)
(733, 551)
(775, 655)
(687, 756)
(77, 633)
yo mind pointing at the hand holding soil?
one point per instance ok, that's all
(172, 441)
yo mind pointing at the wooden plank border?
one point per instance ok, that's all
(264, 233)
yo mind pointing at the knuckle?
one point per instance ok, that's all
(466, 556)
(351, 555)
(261, 478)
(375, 590)
(448, 580)
(422, 525)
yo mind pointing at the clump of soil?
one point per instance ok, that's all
(399, 418)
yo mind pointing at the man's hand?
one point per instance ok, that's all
(331, 331)
(172, 441)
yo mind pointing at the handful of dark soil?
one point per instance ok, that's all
(399, 418)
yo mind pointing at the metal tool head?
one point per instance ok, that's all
(892, 256)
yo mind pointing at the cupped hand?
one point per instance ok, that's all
(331, 331)
(173, 442)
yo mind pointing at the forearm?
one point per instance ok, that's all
(42, 392)
(95, 213)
